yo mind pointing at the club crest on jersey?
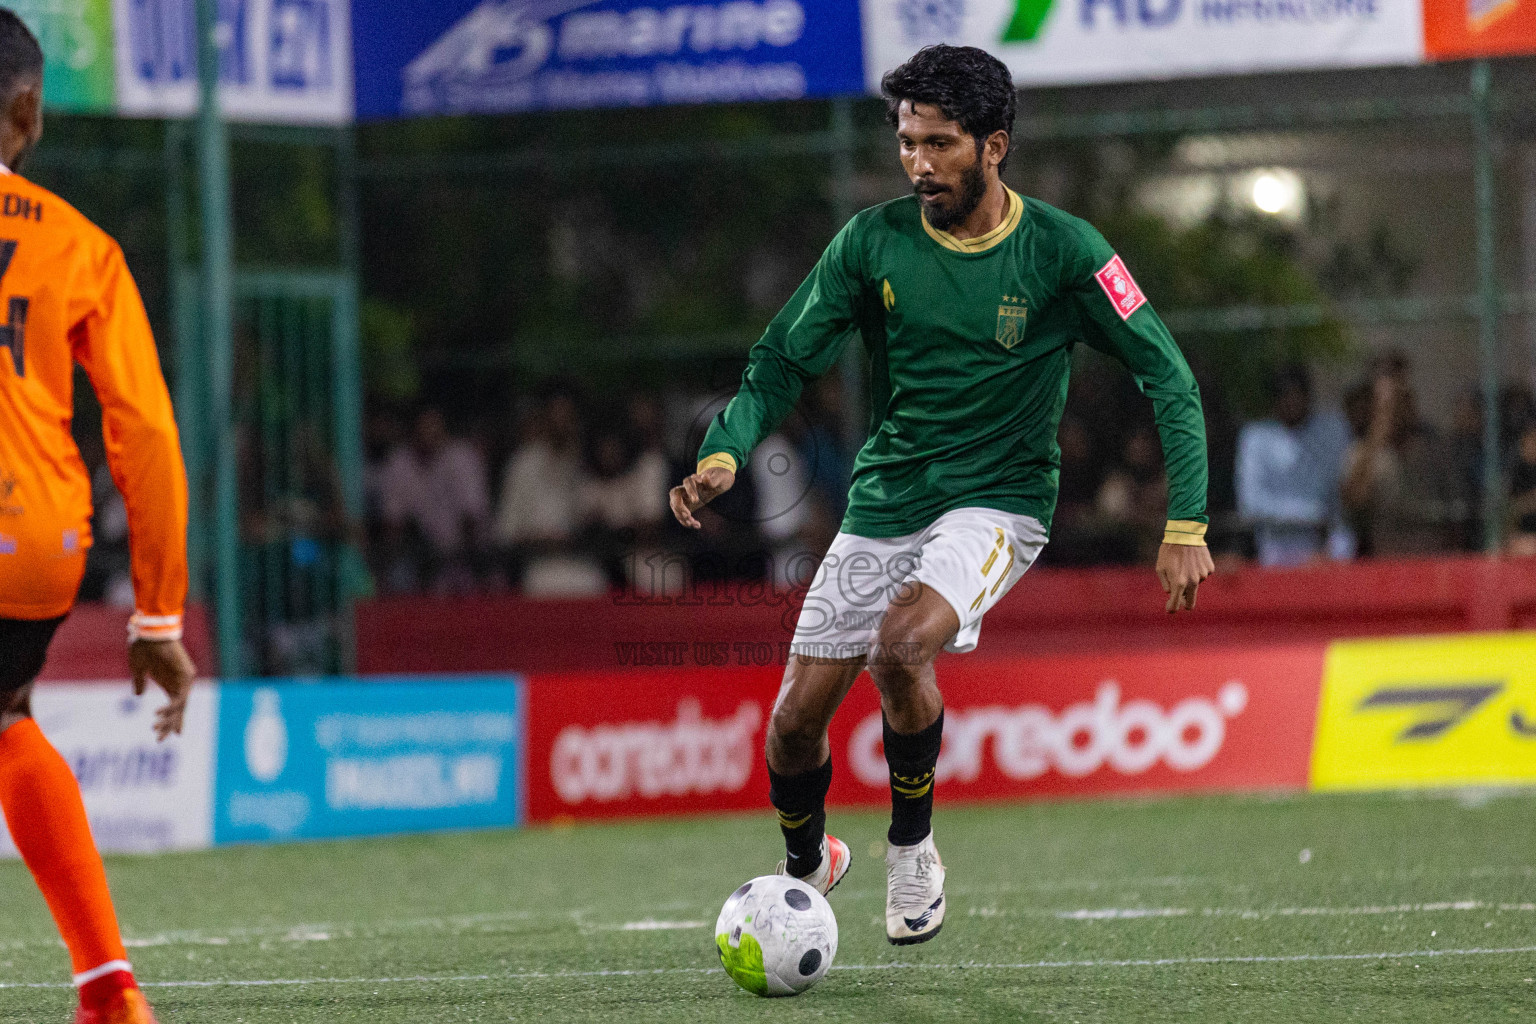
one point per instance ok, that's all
(1010, 321)
(1121, 288)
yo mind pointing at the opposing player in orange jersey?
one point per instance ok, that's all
(66, 297)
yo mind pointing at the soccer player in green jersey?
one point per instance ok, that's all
(969, 299)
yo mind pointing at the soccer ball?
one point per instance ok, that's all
(776, 936)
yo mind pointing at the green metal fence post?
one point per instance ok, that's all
(218, 338)
(347, 392)
(851, 367)
(191, 378)
(1488, 304)
(1528, 261)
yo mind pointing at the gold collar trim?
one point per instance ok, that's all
(981, 243)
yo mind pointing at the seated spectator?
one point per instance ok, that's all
(1288, 474)
(817, 434)
(1522, 495)
(1075, 530)
(1133, 499)
(538, 511)
(621, 499)
(434, 507)
(1396, 475)
(1517, 409)
(1464, 450)
(652, 470)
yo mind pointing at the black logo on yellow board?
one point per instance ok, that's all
(1445, 707)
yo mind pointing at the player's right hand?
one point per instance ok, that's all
(697, 490)
(168, 664)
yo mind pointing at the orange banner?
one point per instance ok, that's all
(1478, 28)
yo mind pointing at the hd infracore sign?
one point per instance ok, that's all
(1061, 42)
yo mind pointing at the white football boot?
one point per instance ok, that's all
(835, 860)
(914, 893)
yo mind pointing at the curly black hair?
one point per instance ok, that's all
(967, 84)
(21, 58)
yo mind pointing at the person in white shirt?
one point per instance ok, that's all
(1288, 471)
(537, 511)
(435, 507)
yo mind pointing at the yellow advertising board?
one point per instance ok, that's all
(1433, 711)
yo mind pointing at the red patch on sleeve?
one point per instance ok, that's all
(1121, 288)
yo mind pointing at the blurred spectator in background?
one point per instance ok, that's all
(538, 511)
(1397, 479)
(1517, 410)
(1074, 527)
(435, 507)
(1288, 475)
(1522, 494)
(647, 428)
(293, 521)
(107, 564)
(622, 500)
(1464, 451)
(817, 436)
(1133, 499)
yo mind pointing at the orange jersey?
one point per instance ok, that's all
(66, 296)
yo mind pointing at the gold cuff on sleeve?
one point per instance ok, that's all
(721, 459)
(1186, 532)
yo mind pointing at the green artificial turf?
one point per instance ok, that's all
(1106, 911)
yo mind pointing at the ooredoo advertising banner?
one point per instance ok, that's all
(338, 758)
(650, 742)
(1425, 712)
(141, 795)
(1162, 722)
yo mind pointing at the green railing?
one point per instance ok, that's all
(295, 432)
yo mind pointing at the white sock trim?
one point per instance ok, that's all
(110, 967)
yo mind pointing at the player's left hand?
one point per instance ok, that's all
(1181, 568)
(169, 665)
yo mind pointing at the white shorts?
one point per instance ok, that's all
(971, 556)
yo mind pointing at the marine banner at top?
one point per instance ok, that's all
(461, 56)
(1066, 42)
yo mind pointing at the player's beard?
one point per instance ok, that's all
(973, 188)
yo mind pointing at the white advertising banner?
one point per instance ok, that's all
(1067, 42)
(279, 60)
(141, 796)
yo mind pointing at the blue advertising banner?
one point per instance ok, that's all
(417, 57)
(332, 759)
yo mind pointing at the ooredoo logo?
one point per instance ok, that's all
(1030, 740)
(691, 754)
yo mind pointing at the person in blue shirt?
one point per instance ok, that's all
(1288, 470)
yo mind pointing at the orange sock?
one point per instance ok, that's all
(47, 820)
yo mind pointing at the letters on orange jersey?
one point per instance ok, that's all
(68, 297)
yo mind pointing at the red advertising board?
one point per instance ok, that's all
(687, 740)
(1455, 29)
(647, 741)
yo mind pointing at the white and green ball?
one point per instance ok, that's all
(776, 936)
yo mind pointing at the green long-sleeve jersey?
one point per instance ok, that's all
(969, 346)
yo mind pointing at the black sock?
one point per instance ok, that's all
(801, 801)
(912, 759)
